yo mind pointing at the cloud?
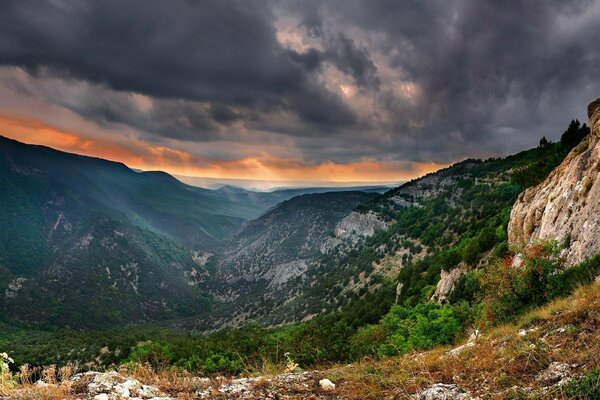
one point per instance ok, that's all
(208, 52)
(339, 81)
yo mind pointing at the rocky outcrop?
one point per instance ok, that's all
(353, 227)
(359, 224)
(447, 282)
(566, 206)
(594, 116)
(112, 386)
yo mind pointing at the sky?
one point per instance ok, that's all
(311, 91)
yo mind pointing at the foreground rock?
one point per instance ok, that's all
(441, 391)
(116, 386)
(556, 374)
(112, 386)
(565, 206)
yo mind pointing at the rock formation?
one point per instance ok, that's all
(566, 205)
(447, 282)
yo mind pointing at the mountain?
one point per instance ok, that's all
(397, 245)
(386, 282)
(566, 205)
(276, 249)
(80, 232)
(266, 200)
(86, 242)
(90, 243)
(193, 216)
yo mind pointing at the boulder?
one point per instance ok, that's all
(556, 374)
(327, 385)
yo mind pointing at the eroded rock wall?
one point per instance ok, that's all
(566, 206)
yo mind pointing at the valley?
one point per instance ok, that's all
(100, 269)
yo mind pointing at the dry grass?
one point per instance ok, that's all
(169, 380)
(56, 383)
(501, 365)
(566, 331)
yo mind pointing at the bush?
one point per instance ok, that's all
(7, 381)
(421, 327)
(366, 341)
(155, 354)
(508, 290)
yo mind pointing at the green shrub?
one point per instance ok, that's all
(421, 327)
(585, 388)
(155, 354)
(509, 290)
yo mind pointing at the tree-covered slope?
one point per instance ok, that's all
(155, 200)
(72, 255)
(402, 240)
(275, 250)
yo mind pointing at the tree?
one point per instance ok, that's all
(574, 134)
(544, 142)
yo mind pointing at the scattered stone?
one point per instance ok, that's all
(556, 374)
(470, 343)
(525, 332)
(327, 385)
(442, 391)
(112, 386)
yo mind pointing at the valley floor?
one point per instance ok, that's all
(550, 353)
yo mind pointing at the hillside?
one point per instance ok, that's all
(398, 244)
(417, 288)
(82, 243)
(89, 243)
(276, 249)
(153, 200)
(549, 353)
(565, 206)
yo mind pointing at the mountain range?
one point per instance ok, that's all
(88, 243)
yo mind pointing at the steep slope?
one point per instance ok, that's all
(394, 246)
(276, 249)
(566, 206)
(154, 200)
(66, 262)
(90, 243)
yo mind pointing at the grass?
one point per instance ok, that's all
(566, 330)
(502, 365)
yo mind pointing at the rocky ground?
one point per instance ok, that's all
(541, 356)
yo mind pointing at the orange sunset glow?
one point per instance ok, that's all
(140, 155)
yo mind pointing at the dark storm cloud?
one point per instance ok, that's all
(435, 80)
(206, 51)
(485, 65)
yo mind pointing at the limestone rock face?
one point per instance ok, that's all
(359, 224)
(447, 282)
(566, 206)
(594, 116)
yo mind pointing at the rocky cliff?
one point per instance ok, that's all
(566, 206)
